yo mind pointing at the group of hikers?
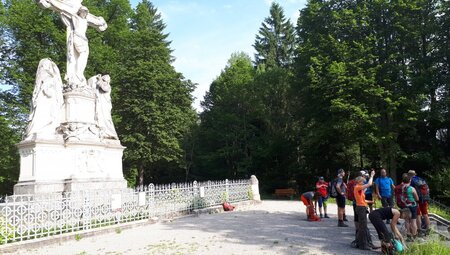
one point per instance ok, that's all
(411, 197)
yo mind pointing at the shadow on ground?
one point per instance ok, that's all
(286, 231)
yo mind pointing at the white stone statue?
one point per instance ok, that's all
(47, 102)
(103, 106)
(77, 18)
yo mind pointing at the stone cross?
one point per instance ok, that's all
(77, 18)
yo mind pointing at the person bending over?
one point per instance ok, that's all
(377, 217)
(307, 199)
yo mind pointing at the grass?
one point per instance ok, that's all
(429, 248)
(439, 211)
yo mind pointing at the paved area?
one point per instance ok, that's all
(272, 227)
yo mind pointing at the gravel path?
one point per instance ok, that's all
(272, 227)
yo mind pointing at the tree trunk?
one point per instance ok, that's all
(141, 176)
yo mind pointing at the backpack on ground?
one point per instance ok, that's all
(227, 206)
(350, 190)
(401, 196)
(423, 191)
(332, 188)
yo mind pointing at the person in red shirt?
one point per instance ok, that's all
(361, 210)
(322, 188)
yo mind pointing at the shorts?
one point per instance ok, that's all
(422, 209)
(305, 201)
(387, 202)
(340, 201)
(369, 197)
(322, 201)
(413, 210)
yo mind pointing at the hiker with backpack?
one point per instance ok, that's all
(350, 196)
(406, 197)
(322, 188)
(339, 189)
(423, 193)
(384, 186)
(377, 217)
(307, 198)
(363, 239)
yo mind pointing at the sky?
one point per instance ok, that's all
(204, 33)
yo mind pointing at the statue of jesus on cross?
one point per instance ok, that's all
(77, 18)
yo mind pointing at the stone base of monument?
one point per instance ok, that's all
(55, 165)
(36, 187)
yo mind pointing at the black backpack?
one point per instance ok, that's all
(332, 188)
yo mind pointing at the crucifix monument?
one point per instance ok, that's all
(70, 142)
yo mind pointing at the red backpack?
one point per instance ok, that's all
(401, 196)
(350, 190)
(227, 206)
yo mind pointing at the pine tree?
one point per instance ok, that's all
(153, 101)
(275, 41)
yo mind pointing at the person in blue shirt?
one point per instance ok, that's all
(384, 186)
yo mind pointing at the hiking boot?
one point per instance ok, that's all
(342, 224)
(326, 216)
(373, 246)
(345, 218)
(321, 216)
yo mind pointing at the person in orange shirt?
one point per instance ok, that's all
(362, 240)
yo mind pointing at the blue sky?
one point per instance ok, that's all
(204, 33)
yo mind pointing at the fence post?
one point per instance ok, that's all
(151, 200)
(255, 188)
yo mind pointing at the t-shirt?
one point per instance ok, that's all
(385, 213)
(322, 187)
(385, 186)
(410, 195)
(341, 184)
(308, 195)
(360, 195)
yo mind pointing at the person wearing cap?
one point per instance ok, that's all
(384, 186)
(422, 208)
(322, 188)
(341, 188)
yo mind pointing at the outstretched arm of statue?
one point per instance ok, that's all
(98, 23)
(59, 6)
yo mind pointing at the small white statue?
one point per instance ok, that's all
(47, 102)
(103, 107)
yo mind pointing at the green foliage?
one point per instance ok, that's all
(428, 248)
(154, 110)
(275, 42)
(78, 237)
(439, 211)
(7, 232)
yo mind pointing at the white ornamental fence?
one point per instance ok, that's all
(24, 217)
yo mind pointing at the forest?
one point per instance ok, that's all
(352, 84)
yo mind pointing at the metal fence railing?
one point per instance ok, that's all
(24, 217)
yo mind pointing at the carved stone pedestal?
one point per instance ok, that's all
(58, 166)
